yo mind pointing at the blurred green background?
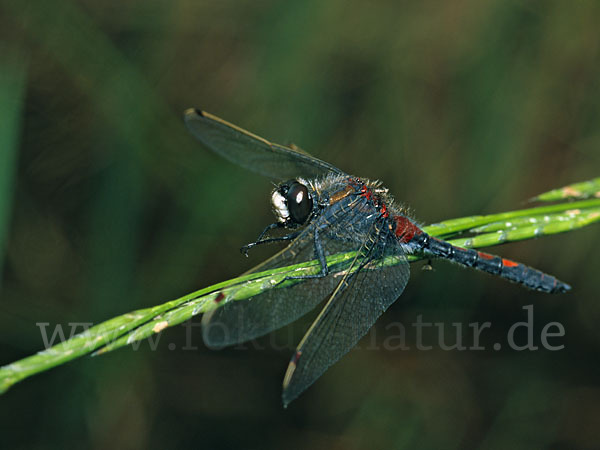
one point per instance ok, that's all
(107, 204)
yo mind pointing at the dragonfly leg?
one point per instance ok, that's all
(260, 239)
(320, 254)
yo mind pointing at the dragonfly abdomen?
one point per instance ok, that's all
(495, 265)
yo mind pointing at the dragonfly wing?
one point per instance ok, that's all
(253, 152)
(359, 299)
(240, 321)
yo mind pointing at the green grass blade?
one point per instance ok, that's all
(539, 220)
(451, 227)
(560, 224)
(584, 189)
(493, 229)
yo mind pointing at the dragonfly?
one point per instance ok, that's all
(321, 211)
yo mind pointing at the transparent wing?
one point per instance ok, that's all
(240, 321)
(359, 299)
(253, 152)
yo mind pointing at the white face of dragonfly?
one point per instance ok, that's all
(280, 207)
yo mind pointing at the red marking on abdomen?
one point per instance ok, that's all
(485, 255)
(509, 263)
(405, 229)
(220, 296)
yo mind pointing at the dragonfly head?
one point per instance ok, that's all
(292, 203)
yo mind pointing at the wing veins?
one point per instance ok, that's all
(337, 295)
(252, 151)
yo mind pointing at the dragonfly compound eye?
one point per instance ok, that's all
(299, 202)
